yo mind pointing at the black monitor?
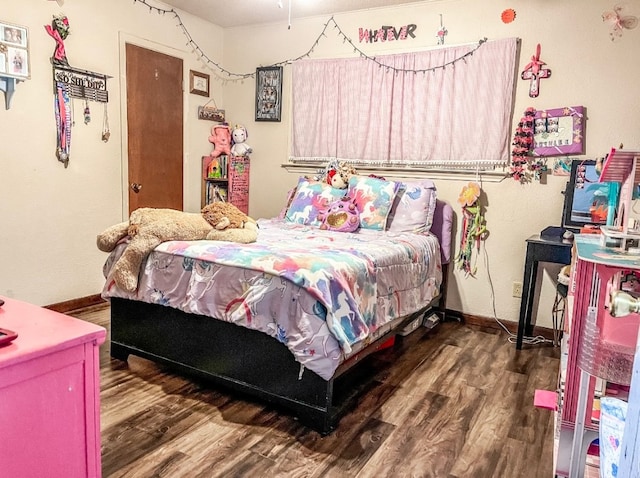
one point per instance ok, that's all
(586, 200)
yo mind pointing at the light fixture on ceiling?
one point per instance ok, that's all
(279, 3)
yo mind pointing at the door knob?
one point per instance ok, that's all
(136, 187)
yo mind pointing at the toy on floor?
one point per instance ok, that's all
(147, 228)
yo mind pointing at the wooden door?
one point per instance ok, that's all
(155, 128)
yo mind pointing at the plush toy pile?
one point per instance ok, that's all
(336, 174)
(149, 227)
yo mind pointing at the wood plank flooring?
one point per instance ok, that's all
(453, 402)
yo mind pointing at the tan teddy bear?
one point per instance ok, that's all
(149, 227)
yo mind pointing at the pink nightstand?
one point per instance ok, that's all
(49, 394)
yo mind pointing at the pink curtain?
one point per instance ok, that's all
(460, 116)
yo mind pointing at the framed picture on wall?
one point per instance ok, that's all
(559, 131)
(198, 83)
(268, 93)
(14, 51)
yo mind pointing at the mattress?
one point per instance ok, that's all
(325, 295)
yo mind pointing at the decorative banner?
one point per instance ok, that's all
(386, 33)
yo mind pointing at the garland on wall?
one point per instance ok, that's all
(524, 166)
(232, 76)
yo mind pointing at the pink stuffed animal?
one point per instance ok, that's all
(221, 140)
(342, 216)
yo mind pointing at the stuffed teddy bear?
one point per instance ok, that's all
(342, 216)
(149, 227)
(239, 135)
(221, 140)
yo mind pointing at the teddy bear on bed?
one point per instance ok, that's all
(149, 227)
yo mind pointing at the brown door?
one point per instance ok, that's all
(155, 123)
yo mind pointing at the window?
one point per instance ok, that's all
(448, 107)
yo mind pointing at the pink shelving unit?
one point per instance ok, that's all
(49, 394)
(599, 346)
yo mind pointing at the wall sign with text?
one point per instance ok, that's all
(386, 33)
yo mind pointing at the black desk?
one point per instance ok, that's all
(538, 250)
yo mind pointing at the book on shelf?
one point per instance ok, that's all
(216, 193)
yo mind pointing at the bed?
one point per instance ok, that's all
(289, 318)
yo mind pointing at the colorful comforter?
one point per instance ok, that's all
(325, 295)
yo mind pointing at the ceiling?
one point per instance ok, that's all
(249, 12)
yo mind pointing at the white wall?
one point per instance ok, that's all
(587, 69)
(50, 215)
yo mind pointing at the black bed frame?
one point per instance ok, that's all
(241, 359)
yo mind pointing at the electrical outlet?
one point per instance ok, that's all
(517, 289)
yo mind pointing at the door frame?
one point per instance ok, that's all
(123, 39)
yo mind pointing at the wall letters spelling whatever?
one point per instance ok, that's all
(387, 33)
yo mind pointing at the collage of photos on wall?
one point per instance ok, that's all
(14, 51)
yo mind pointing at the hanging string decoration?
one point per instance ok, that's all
(231, 76)
(106, 133)
(474, 227)
(62, 108)
(442, 32)
(87, 112)
(525, 166)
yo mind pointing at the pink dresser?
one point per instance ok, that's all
(49, 394)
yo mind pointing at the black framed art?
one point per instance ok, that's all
(268, 93)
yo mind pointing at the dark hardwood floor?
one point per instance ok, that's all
(453, 402)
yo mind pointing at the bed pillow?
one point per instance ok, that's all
(311, 197)
(414, 207)
(285, 208)
(374, 198)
